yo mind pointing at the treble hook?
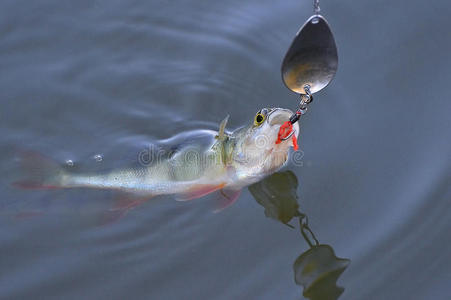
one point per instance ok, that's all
(305, 100)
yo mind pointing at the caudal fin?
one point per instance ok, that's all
(39, 172)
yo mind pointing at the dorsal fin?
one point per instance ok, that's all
(221, 133)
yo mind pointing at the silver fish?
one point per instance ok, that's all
(203, 162)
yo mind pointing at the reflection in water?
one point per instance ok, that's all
(317, 269)
(277, 194)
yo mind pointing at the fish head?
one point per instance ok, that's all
(256, 152)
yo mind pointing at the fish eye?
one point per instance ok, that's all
(259, 118)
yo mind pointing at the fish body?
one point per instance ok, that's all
(201, 162)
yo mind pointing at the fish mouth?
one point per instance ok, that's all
(278, 116)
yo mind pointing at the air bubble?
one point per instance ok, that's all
(315, 20)
(98, 157)
(70, 162)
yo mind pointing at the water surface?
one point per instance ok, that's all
(78, 79)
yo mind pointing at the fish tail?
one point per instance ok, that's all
(40, 172)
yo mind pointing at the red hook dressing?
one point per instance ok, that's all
(284, 131)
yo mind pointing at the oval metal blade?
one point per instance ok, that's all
(312, 57)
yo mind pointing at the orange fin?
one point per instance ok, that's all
(38, 171)
(123, 204)
(226, 198)
(198, 191)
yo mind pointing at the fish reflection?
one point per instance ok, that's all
(317, 269)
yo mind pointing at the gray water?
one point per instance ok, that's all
(86, 78)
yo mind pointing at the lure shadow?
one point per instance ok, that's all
(317, 269)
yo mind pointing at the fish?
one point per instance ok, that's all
(199, 163)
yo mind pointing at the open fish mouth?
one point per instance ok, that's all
(278, 116)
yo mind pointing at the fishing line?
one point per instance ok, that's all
(316, 8)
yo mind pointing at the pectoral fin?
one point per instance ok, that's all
(198, 191)
(124, 202)
(226, 198)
